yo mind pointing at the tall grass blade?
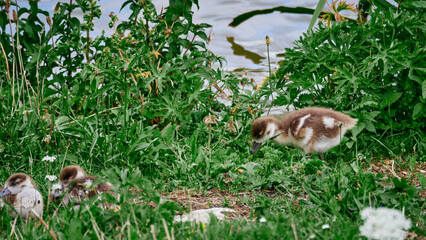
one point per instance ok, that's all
(316, 14)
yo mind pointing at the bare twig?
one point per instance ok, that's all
(7, 62)
(98, 232)
(53, 234)
(153, 232)
(166, 229)
(294, 230)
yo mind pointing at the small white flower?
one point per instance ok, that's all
(49, 159)
(47, 138)
(383, 223)
(27, 112)
(361, 156)
(56, 186)
(51, 177)
(325, 226)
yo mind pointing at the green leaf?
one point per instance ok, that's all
(316, 14)
(358, 128)
(424, 89)
(389, 99)
(370, 126)
(141, 146)
(62, 122)
(168, 132)
(245, 16)
(202, 35)
(419, 4)
(422, 180)
(418, 110)
(384, 3)
(400, 185)
(94, 141)
(355, 167)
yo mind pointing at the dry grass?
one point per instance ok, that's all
(389, 169)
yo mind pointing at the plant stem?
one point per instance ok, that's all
(268, 42)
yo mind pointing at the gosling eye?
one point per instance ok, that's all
(267, 133)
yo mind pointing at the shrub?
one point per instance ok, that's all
(375, 70)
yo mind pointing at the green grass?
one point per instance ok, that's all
(137, 119)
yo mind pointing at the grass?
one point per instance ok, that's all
(296, 195)
(138, 116)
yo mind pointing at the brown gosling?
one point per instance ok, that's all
(77, 186)
(20, 191)
(311, 129)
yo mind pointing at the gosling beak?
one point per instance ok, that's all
(56, 194)
(255, 147)
(5, 192)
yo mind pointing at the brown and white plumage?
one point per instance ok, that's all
(311, 129)
(21, 192)
(77, 186)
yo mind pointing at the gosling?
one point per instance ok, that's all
(311, 129)
(20, 191)
(77, 186)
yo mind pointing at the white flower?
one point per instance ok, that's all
(361, 156)
(383, 223)
(325, 226)
(47, 138)
(49, 159)
(51, 177)
(56, 186)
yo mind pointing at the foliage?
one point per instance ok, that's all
(375, 70)
(145, 110)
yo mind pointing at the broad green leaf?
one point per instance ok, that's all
(358, 128)
(418, 110)
(384, 3)
(424, 89)
(370, 126)
(371, 115)
(141, 146)
(389, 99)
(202, 35)
(168, 132)
(419, 4)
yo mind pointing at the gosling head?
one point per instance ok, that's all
(262, 130)
(69, 175)
(17, 183)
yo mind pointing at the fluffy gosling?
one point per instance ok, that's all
(21, 192)
(77, 186)
(311, 129)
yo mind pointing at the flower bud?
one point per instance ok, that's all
(49, 21)
(268, 40)
(7, 7)
(15, 16)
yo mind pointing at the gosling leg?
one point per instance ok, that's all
(321, 155)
